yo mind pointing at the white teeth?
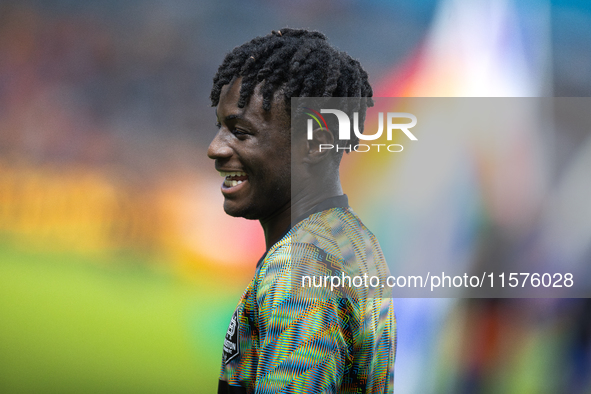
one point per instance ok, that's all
(228, 175)
(232, 173)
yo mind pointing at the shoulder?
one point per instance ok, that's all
(330, 243)
(332, 229)
(318, 237)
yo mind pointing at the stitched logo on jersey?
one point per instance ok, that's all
(231, 346)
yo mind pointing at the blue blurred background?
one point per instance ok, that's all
(118, 268)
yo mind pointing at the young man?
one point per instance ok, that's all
(281, 338)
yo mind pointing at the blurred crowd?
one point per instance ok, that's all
(105, 121)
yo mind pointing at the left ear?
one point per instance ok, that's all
(320, 146)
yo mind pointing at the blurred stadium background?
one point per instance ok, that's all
(118, 268)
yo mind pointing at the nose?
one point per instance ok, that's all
(219, 149)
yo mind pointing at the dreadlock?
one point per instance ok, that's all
(300, 62)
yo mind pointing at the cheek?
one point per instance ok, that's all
(278, 174)
(276, 179)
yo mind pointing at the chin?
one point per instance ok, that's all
(239, 212)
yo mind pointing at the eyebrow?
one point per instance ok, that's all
(233, 116)
(230, 117)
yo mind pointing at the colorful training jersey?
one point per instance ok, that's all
(315, 318)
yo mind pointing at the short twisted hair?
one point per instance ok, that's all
(299, 62)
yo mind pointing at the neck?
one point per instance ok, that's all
(277, 224)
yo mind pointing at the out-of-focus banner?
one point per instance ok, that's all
(468, 197)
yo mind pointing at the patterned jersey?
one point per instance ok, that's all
(294, 331)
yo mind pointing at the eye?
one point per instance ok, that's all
(239, 133)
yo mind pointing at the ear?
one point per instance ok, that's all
(319, 147)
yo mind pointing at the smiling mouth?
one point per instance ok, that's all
(233, 178)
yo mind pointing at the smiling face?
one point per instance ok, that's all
(252, 151)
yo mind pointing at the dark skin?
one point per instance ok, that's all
(255, 146)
